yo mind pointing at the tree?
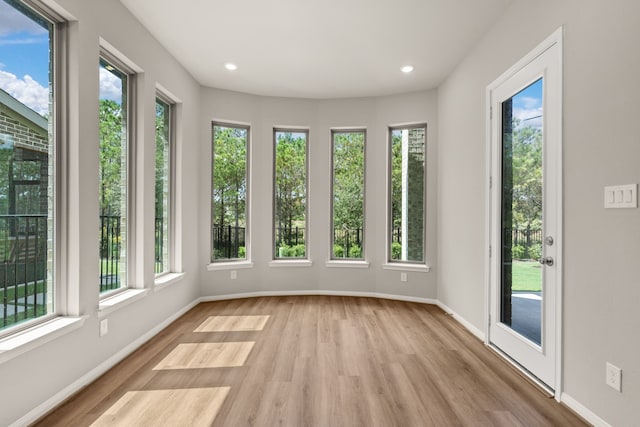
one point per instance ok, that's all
(111, 152)
(348, 181)
(527, 176)
(290, 180)
(229, 175)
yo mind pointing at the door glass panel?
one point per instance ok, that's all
(522, 209)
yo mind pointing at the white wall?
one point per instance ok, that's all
(263, 113)
(601, 147)
(33, 377)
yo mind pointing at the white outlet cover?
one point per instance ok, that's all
(621, 196)
(104, 327)
(614, 377)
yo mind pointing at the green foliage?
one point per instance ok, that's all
(112, 155)
(296, 251)
(518, 252)
(338, 251)
(229, 175)
(535, 252)
(396, 250)
(290, 179)
(527, 176)
(355, 251)
(348, 180)
(242, 252)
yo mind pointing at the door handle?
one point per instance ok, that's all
(546, 261)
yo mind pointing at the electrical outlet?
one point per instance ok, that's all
(403, 277)
(614, 377)
(234, 275)
(104, 327)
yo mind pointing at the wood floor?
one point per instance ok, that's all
(312, 361)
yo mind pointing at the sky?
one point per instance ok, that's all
(24, 61)
(527, 105)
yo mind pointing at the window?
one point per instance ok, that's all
(115, 130)
(229, 204)
(347, 187)
(164, 142)
(407, 193)
(27, 165)
(290, 193)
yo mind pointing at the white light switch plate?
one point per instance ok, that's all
(621, 196)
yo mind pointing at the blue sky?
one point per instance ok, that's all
(527, 105)
(24, 61)
(24, 58)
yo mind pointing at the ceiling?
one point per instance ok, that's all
(318, 48)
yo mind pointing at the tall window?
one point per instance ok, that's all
(290, 193)
(164, 114)
(113, 172)
(407, 188)
(27, 165)
(348, 194)
(229, 203)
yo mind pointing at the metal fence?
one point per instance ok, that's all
(228, 241)
(23, 264)
(110, 246)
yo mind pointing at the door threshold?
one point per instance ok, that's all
(544, 388)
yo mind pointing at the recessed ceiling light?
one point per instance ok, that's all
(407, 68)
(230, 66)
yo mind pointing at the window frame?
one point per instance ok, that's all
(332, 256)
(58, 133)
(215, 264)
(110, 56)
(170, 175)
(405, 264)
(291, 260)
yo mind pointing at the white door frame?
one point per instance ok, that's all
(492, 249)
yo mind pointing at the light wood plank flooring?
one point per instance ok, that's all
(312, 361)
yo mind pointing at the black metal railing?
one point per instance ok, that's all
(159, 245)
(23, 265)
(347, 243)
(110, 246)
(228, 241)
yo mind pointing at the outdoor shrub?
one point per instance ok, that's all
(338, 251)
(297, 251)
(355, 252)
(396, 250)
(518, 252)
(535, 252)
(242, 252)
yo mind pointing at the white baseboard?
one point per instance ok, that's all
(92, 375)
(319, 292)
(583, 411)
(464, 322)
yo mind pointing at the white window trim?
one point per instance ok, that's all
(283, 262)
(353, 261)
(31, 338)
(408, 266)
(166, 280)
(399, 266)
(175, 253)
(134, 248)
(240, 262)
(347, 263)
(230, 265)
(114, 302)
(290, 262)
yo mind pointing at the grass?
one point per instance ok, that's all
(30, 289)
(527, 276)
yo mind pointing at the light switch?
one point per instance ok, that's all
(621, 196)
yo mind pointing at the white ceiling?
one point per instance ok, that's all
(318, 48)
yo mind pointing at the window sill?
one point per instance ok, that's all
(291, 263)
(334, 263)
(166, 280)
(423, 268)
(231, 265)
(34, 337)
(120, 300)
